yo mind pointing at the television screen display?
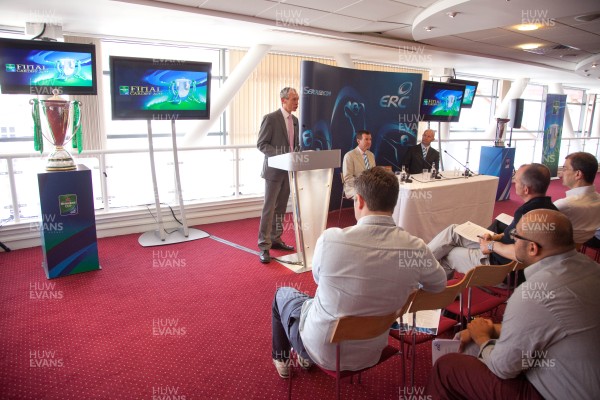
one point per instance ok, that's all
(441, 101)
(470, 90)
(157, 89)
(38, 67)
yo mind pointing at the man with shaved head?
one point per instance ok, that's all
(547, 345)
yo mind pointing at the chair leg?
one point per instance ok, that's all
(340, 210)
(292, 353)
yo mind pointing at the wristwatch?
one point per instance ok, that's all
(490, 246)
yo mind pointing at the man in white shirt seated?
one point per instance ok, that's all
(547, 344)
(357, 160)
(368, 269)
(582, 204)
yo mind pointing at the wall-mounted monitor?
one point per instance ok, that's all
(38, 67)
(470, 90)
(159, 89)
(441, 101)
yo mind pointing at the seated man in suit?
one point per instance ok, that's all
(361, 270)
(582, 203)
(547, 344)
(356, 161)
(423, 155)
(455, 252)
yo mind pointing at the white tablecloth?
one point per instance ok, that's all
(426, 208)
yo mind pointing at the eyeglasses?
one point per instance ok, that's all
(513, 234)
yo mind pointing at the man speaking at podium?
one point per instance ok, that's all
(278, 135)
(423, 155)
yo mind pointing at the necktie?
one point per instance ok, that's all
(290, 128)
(424, 153)
(367, 166)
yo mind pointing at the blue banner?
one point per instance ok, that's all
(338, 102)
(553, 125)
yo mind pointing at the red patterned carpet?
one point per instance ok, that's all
(185, 321)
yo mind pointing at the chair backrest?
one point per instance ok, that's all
(490, 275)
(362, 328)
(422, 300)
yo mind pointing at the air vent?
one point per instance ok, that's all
(587, 17)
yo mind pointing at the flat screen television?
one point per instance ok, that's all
(38, 67)
(157, 89)
(470, 90)
(441, 101)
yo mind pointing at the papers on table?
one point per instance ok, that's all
(505, 219)
(470, 231)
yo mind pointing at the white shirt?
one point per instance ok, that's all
(582, 207)
(367, 269)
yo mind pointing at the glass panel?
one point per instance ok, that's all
(128, 180)
(475, 118)
(575, 114)
(26, 182)
(93, 163)
(206, 174)
(5, 199)
(524, 151)
(251, 163)
(532, 112)
(533, 92)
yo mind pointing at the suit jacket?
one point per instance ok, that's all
(273, 140)
(353, 166)
(413, 160)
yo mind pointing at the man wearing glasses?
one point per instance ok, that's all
(546, 346)
(457, 253)
(582, 203)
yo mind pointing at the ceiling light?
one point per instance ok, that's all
(429, 28)
(529, 46)
(452, 14)
(594, 65)
(528, 27)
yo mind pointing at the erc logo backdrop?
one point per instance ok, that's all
(338, 102)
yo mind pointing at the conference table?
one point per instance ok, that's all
(425, 208)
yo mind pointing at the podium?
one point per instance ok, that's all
(498, 161)
(311, 175)
(68, 224)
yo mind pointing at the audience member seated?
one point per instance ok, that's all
(547, 344)
(423, 155)
(582, 203)
(457, 253)
(356, 161)
(362, 270)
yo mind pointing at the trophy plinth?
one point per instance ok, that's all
(60, 122)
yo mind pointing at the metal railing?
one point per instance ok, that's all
(121, 178)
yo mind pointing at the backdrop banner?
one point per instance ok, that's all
(337, 102)
(553, 125)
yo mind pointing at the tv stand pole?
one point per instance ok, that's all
(182, 234)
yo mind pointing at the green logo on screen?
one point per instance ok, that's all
(68, 204)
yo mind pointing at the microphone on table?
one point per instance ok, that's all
(437, 173)
(468, 171)
(407, 179)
